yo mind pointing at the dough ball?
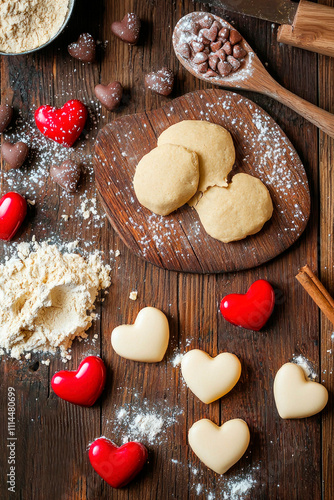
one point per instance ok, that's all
(166, 178)
(232, 213)
(212, 143)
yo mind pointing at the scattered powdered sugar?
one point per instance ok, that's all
(143, 420)
(306, 365)
(176, 361)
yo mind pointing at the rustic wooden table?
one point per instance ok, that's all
(286, 459)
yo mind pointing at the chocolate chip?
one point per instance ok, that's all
(84, 48)
(238, 52)
(67, 175)
(227, 47)
(184, 50)
(221, 54)
(210, 73)
(6, 115)
(217, 25)
(213, 61)
(197, 46)
(109, 95)
(14, 154)
(200, 57)
(234, 62)
(206, 21)
(224, 68)
(203, 67)
(235, 37)
(209, 34)
(161, 81)
(216, 45)
(224, 34)
(128, 29)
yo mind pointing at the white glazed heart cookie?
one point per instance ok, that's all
(214, 146)
(146, 340)
(219, 447)
(166, 178)
(210, 378)
(295, 396)
(239, 210)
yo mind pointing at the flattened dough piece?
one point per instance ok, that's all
(166, 178)
(232, 213)
(213, 144)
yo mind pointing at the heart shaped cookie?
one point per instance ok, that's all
(6, 115)
(252, 309)
(109, 95)
(146, 340)
(161, 81)
(82, 386)
(234, 212)
(13, 209)
(63, 125)
(295, 395)
(117, 466)
(128, 29)
(219, 447)
(84, 48)
(67, 175)
(210, 378)
(14, 154)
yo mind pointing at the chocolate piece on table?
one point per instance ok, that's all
(67, 175)
(161, 81)
(14, 154)
(84, 48)
(109, 95)
(6, 115)
(128, 29)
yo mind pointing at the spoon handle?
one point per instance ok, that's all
(319, 117)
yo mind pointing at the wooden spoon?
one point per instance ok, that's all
(250, 76)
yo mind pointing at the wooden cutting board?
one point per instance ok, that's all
(179, 242)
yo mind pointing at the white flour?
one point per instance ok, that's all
(47, 298)
(306, 365)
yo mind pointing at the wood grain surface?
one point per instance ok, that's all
(286, 459)
(179, 242)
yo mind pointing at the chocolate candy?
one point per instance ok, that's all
(84, 48)
(6, 115)
(161, 82)
(109, 95)
(67, 175)
(128, 29)
(14, 154)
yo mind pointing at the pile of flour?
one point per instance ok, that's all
(27, 24)
(47, 298)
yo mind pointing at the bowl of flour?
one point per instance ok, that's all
(29, 25)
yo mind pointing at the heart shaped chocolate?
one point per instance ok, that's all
(161, 81)
(128, 29)
(110, 95)
(14, 154)
(84, 48)
(67, 175)
(295, 396)
(219, 447)
(146, 340)
(6, 115)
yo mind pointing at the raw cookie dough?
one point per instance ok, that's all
(210, 378)
(232, 213)
(166, 178)
(212, 143)
(146, 340)
(219, 447)
(295, 396)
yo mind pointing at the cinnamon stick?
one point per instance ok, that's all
(317, 291)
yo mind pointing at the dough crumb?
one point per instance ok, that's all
(133, 295)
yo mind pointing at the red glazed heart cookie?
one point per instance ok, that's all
(13, 209)
(6, 115)
(109, 95)
(84, 48)
(67, 175)
(128, 29)
(14, 154)
(161, 82)
(82, 386)
(62, 125)
(117, 466)
(251, 310)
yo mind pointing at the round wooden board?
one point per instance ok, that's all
(178, 242)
